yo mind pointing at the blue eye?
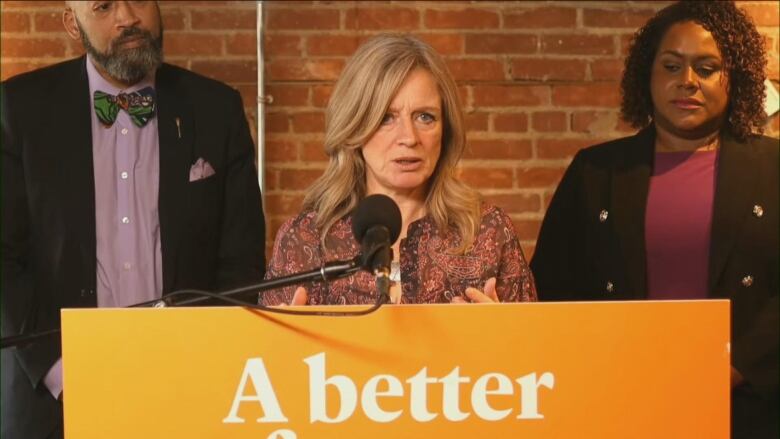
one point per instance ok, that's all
(427, 118)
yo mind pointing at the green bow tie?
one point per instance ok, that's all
(138, 104)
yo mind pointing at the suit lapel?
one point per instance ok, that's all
(629, 188)
(175, 129)
(734, 189)
(76, 159)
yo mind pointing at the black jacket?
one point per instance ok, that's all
(580, 257)
(212, 230)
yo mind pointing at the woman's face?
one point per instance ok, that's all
(402, 154)
(688, 83)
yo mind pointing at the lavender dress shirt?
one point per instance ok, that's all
(126, 163)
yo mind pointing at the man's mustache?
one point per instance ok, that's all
(131, 33)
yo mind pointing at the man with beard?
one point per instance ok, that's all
(123, 179)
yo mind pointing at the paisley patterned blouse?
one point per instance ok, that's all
(429, 272)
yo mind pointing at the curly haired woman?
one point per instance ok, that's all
(688, 207)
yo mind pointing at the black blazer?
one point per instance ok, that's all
(212, 230)
(580, 257)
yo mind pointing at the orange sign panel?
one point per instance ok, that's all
(538, 370)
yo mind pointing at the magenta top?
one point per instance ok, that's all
(678, 221)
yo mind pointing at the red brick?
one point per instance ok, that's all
(515, 203)
(288, 95)
(15, 21)
(297, 179)
(527, 230)
(625, 43)
(499, 149)
(280, 151)
(308, 122)
(282, 45)
(304, 69)
(469, 18)
(538, 177)
(321, 95)
(9, 69)
(241, 44)
(48, 22)
(542, 69)
(248, 94)
(476, 69)
(476, 122)
(492, 177)
(528, 249)
(445, 44)
(510, 122)
(283, 204)
(606, 69)
(544, 17)
(332, 44)
(190, 44)
(394, 18)
(510, 95)
(227, 71)
(298, 18)
(483, 43)
(548, 121)
(763, 14)
(13, 47)
(313, 152)
(31, 4)
(593, 121)
(604, 94)
(631, 18)
(578, 44)
(226, 18)
(173, 19)
(554, 149)
(277, 122)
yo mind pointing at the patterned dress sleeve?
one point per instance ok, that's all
(514, 282)
(295, 250)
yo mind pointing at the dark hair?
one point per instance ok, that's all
(744, 60)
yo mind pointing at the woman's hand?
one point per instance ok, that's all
(487, 295)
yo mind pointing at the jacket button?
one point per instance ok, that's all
(610, 287)
(758, 211)
(603, 215)
(747, 281)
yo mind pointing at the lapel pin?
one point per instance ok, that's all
(178, 126)
(758, 211)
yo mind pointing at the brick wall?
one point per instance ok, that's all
(539, 79)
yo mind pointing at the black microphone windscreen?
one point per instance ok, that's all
(376, 210)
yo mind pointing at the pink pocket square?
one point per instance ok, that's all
(200, 170)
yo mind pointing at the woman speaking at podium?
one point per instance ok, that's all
(394, 126)
(688, 207)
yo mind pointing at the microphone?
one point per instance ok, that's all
(376, 224)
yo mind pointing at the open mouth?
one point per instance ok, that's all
(408, 163)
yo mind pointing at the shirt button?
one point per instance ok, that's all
(127, 265)
(603, 215)
(125, 220)
(610, 287)
(747, 281)
(758, 211)
(124, 130)
(124, 175)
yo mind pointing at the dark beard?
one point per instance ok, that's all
(127, 65)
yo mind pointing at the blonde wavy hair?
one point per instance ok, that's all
(359, 101)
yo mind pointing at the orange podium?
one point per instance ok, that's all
(536, 370)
